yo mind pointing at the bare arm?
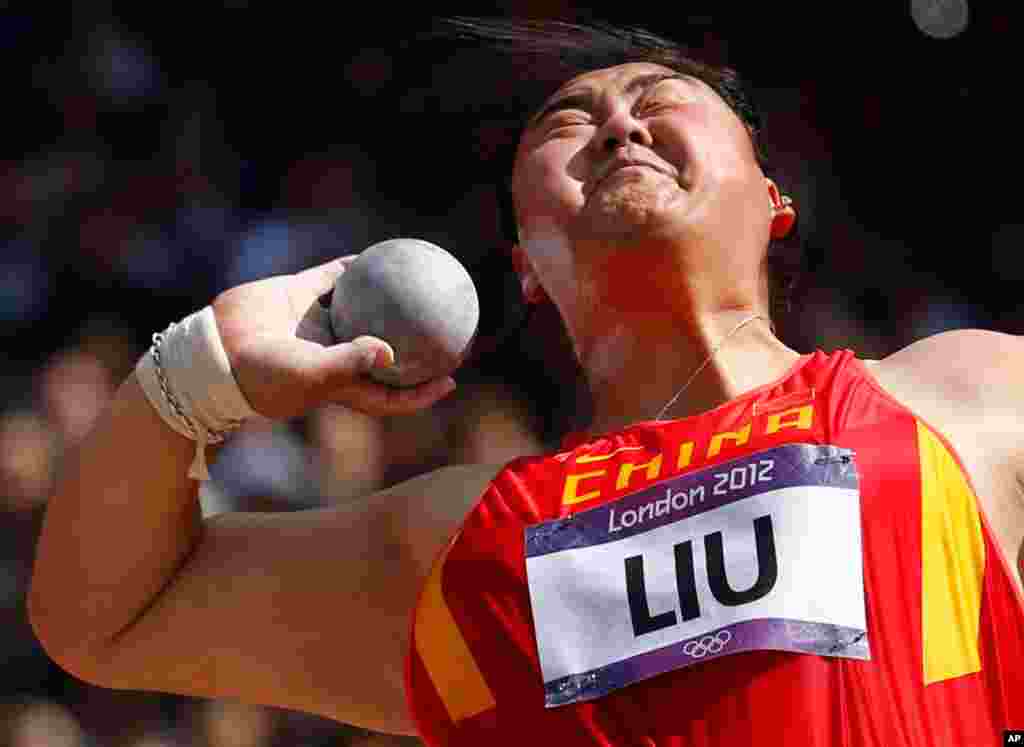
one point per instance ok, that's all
(303, 610)
(968, 383)
(124, 520)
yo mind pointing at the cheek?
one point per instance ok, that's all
(675, 135)
(545, 186)
(707, 145)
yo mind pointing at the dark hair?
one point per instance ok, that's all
(538, 56)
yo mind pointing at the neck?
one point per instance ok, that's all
(644, 317)
(633, 372)
(641, 338)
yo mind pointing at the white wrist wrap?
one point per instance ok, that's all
(187, 378)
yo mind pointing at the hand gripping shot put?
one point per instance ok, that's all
(416, 297)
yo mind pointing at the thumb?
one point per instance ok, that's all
(361, 355)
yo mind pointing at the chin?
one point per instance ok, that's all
(635, 210)
(626, 219)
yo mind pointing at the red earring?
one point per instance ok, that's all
(535, 295)
(784, 219)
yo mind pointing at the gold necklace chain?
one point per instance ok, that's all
(708, 360)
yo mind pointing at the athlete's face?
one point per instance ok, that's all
(634, 152)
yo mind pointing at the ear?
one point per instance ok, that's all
(533, 293)
(785, 215)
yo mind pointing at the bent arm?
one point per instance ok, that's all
(306, 610)
(123, 519)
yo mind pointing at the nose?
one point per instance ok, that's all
(619, 130)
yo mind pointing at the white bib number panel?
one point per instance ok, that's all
(763, 552)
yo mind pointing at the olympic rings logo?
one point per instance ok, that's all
(709, 644)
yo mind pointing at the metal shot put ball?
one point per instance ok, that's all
(416, 297)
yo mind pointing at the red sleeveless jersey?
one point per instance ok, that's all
(944, 621)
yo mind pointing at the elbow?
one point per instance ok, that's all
(71, 653)
(39, 620)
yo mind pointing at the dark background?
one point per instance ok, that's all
(155, 154)
(200, 125)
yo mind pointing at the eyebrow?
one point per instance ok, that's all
(584, 99)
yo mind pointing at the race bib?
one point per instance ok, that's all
(763, 552)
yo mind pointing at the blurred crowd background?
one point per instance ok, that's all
(153, 156)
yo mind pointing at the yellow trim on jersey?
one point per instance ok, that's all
(445, 653)
(952, 564)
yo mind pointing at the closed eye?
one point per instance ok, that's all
(667, 94)
(656, 106)
(567, 120)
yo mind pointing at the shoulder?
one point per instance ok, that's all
(427, 510)
(970, 371)
(987, 343)
(968, 384)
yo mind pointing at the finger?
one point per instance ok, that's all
(337, 366)
(320, 279)
(377, 352)
(380, 399)
(343, 376)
